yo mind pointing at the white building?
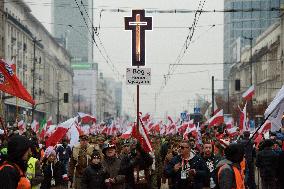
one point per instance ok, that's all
(267, 74)
(26, 38)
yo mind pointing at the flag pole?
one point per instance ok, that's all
(259, 127)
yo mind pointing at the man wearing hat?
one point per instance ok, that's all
(80, 159)
(112, 165)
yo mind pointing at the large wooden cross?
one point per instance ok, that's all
(138, 23)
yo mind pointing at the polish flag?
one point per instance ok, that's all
(142, 136)
(190, 129)
(275, 111)
(49, 122)
(127, 134)
(87, 118)
(243, 120)
(184, 126)
(163, 129)
(146, 117)
(22, 127)
(232, 131)
(217, 119)
(35, 126)
(249, 93)
(61, 131)
(263, 130)
(230, 123)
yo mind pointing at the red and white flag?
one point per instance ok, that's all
(49, 122)
(184, 126)
(87, 118)
(275, 111)
(217, 119)
(35, 126)
(127, 134)
(190, 129)
(142, 136)
(22, 127)
(249, 93)
(61, 131)
(243, 120)
(232, 131)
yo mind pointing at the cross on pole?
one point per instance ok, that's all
(138, 23)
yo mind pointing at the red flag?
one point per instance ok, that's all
(86, 118)
(9, 83)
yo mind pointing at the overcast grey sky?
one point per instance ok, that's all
(162, 48)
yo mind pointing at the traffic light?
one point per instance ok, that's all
(65, 97)
(237, 85)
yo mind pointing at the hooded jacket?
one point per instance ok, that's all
(226, 179)
(10, 176)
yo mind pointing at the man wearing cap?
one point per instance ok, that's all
(79, 160)
(112, 165)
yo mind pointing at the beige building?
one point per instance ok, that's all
(267, 66)
(2, 20)
(33, 47)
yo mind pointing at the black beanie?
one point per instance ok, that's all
(17, 147)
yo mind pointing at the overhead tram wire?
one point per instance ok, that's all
(93, 37)
(90, 32)
(186, 43)
(153, 10)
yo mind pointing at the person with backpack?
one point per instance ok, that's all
(229, 173)
(13, 170)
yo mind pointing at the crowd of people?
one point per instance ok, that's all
(110, 162)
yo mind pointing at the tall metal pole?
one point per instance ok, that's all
(213, 98)
(33, 87)
(79, 100)
(58, 102)
(137, 108)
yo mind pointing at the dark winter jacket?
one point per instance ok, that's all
(211, 163)
(127, 169)
(58, 172)
(64, 153)
(195, 162)
(267, 162)
(94, 177)
(113, 168)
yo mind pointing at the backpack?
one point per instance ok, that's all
(23, 183)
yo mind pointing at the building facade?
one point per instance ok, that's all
(69, 27)
(109, 99)
(43, 65)
(267, 66)
(85, 87)
(240, 27)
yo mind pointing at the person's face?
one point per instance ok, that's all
(184, 148)
(27, 155)
(110, 152)
(207, 149)
(83, 142)
(126, 149)
(96, 160)
(51, 158)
